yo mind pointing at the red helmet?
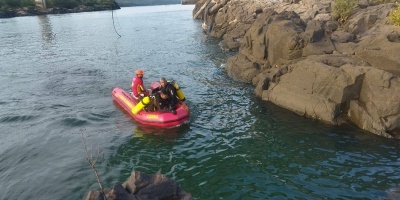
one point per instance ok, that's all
(139, 72)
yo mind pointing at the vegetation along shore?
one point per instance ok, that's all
(18, 8)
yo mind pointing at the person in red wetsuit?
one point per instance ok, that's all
(138, 89)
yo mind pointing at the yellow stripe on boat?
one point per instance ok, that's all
(151, 116)
(126, 101)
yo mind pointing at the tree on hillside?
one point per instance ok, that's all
(5, 4)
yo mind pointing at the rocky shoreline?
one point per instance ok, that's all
(301, 58)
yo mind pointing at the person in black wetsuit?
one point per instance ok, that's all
(170, 89)
(164, 102)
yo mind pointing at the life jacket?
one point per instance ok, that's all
(137, 86)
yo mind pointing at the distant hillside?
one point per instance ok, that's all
(126, 3)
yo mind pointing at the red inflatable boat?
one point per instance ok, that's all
(156, 118)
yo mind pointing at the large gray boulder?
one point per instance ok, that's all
(378, 108)
(322, 92)
(242, 69)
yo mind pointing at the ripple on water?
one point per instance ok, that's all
(32, 162)
(74, 81)
(58, 106)
(18, 118)
(97, 117)
(73, 122)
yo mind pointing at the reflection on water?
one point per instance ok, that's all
(159, 134)
(45, 28)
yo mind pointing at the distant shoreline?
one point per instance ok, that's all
(25, 11)
(130, 3)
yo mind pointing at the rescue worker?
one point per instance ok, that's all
(170, 89)
(164, 102)
(138, 89)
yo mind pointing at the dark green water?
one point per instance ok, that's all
(57, 74)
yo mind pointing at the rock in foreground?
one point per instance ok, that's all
(141, 186)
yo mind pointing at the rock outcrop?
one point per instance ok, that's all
(141, 186)
(300, 58)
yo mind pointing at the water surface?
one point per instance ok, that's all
(57, 74)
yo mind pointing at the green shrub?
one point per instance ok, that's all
(27, 3)
(5, 8)
(89, 3)
(49, 4)
(342, 9)
(9, 4)
(106, 2)
(65, 3)
(394, 15)
(13, 3)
